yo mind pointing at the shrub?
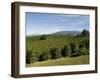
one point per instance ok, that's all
(55, 53)
(35, 57)
(74, 47)
(28, 56)
(31, 56)
(66, 50)
(44, 56)
(43, 37)
(81, 44)
(84, 43)
(83, 51)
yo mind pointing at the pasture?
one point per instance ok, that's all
(36, 45)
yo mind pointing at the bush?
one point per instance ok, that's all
(31, 56)
(66, 50)
(84, 43)
(44, 56)
(35, 57)
(28, 56)
(55, 53)
(83, 51)
(74, 47)
(43, 37)
(81, 44)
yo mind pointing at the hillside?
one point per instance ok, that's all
(62, 61)
(72, 33)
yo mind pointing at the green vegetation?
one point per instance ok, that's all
(43, 37)
(62, 49)
(44, 56)
(84, 59)
(55, 53)
(66, 51)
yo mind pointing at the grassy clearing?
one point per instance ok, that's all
(84, 59)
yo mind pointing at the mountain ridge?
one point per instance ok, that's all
(71, 33)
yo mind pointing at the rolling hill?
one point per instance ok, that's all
(72, 33)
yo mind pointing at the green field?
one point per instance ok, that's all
(51, 41)
(62, 61)
(36, 45)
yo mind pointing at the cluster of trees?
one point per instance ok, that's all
(83, 33)
(43, 37)
(72, 49)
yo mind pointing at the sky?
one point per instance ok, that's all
(47, 23)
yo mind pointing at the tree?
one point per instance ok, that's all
(84, 43)
(28, 56)
(83, 51)
(43, 37)
(66, 50)
(85, 33)
(74, 49)
(31, 56)
(35, 56)
(44, 56)
(55, 53)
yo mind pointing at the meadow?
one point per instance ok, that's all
(62, 61)
(40, 55)
(51, 41)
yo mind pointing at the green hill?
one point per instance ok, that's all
(51, 41)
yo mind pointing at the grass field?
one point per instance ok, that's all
(51, 42)
(62, 61)
(59, 42)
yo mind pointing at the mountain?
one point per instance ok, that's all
(71, 33)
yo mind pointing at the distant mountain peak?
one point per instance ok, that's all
(72, 33)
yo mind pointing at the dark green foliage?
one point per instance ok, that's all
(28, 56)
(81, 44)
(83, 51)
(43, 37)
(85, 33)
(74, 47)
(31, 56)
(35, 57)
(66, 50)
(84, 47)
(44, 56)
(84, 43)
(55, 53)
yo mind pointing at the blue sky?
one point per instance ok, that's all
(46, 23)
